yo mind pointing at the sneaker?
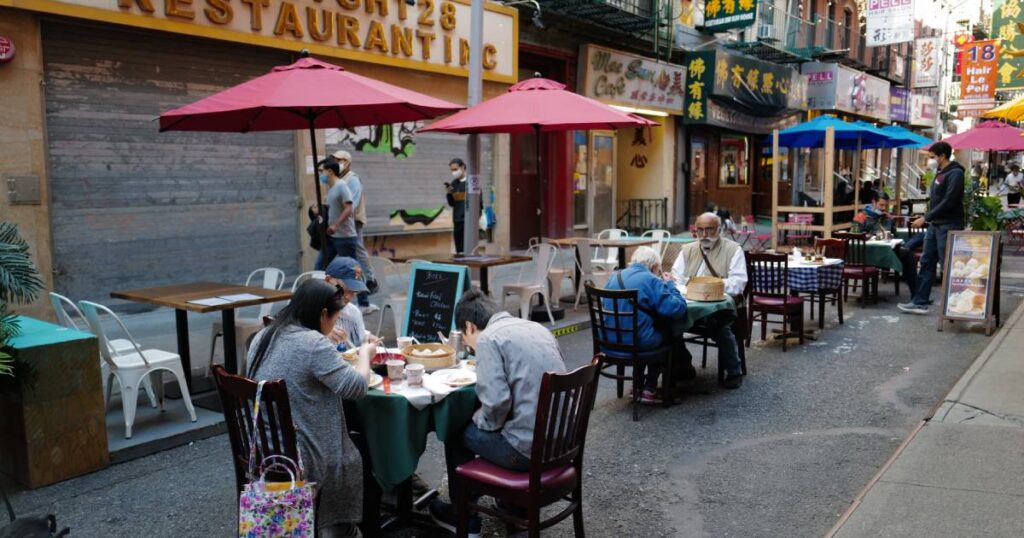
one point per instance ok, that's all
(444, 515)
(911, 308)
(732, 381)
(650, 397)
(369, 309)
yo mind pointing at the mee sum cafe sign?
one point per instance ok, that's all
(624, 79)
(431, 35)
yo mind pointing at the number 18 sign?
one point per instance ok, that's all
(978, 63)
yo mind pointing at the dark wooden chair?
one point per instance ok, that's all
(697, 335)
(856, 272)
(769, 295)
(275, 434)
(614, 329)
(830, 248)
(556, 459)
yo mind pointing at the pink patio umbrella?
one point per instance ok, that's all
(308, 94)
(537, 105)
(989, 136)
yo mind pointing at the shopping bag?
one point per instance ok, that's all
(268, 509)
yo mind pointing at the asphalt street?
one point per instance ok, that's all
(782, 456)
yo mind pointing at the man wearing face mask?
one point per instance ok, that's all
(457, 200)
(355, 188)
(716, 256)
(945, 213)
(341, 228)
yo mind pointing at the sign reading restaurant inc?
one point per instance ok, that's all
(432, 35)
(624, 79)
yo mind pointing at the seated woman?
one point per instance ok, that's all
(295, 348)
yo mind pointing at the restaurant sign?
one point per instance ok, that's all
(922, 110)
(832, 86)
(763, 88)
(899, 104)
(978, 77)
(926, 62)
(969, 292)
(430, 35)
(721, 15)
(1008, 28)
(624, 79)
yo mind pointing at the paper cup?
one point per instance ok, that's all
(414, 374)
(405, 341)
(395, 369)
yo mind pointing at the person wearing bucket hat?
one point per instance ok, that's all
(355, 187)
(345, 272)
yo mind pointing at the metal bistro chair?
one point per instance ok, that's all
(589, 270)
(268, 278)
(612, 256)
(556, 459)
(614, 331)
(306, 276)
(393, 291)
(830, 248)
(534, 283)
(769, 295)
(856, 270)
(661, 236)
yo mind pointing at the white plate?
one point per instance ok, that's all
(441, 376)
(375, 380)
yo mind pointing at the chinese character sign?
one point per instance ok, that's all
(721, 15)
(979, 63)
(625, 79)
(1008, 30)
(889, 21)
(701, 72)
(926, 62)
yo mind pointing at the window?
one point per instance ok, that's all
(848, 29)
(733, 169)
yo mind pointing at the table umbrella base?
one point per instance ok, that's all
(540, 314)
(809, 334)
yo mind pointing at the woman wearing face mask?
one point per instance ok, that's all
(457, 200)
(295, 348)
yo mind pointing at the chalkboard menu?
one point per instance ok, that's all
(434, 290)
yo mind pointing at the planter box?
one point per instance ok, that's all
(55, 429)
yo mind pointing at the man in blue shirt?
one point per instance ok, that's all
(659, 303)
(355, 188)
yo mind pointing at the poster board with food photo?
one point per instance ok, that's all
(972, 259)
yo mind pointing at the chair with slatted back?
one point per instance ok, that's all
(556, 460)
(614, 330)
(855, 270)
(769, 295)
(801, 235)
(276, 432)
(830, 248)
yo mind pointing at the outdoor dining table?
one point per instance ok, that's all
(816, 278)
(882, 254)
(695, 311)
(182, 297)
(483, 263)
(391, 435)
(620, 244)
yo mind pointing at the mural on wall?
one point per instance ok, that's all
(396, 139)
(423, 218)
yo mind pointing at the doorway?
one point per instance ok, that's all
(698, 175)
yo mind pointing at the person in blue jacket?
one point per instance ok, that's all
(659, 301)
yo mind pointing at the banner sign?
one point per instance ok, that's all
(926, 62)
(978, 77)
(730, 118)
(922, 110)
(1008, 28)
(832, 86)
(721, 15)
(746, 83)
(889, 22)
(899, 104)
(620, 78)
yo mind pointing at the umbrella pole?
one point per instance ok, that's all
(316, 183)
(540, 184)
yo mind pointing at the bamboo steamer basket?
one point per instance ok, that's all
(430, 363)
(705, 288)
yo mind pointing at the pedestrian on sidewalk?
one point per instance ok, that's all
(341, 227)
(457, 200)
(1014, 185)
(945, 213)
(355, 188)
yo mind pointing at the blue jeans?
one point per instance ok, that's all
(363, 257)
(491, 446)
(934, 253)
(719, 327)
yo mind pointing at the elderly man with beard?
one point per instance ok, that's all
(716, 256)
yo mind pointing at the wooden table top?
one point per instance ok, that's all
(625, 242)
(177, 296)
(475, 262)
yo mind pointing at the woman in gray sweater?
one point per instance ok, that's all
(295, 348)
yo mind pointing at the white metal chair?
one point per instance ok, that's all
(662, 237)
(306, 276)
(393, 293)
(536, 284)
(611, 255)
(272, 279)
(131, 367)
(598, 273)
(559, 270)
(61, 305)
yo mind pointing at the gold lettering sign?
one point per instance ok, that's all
(432, 35)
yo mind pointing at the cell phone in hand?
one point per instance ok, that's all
(447, 185)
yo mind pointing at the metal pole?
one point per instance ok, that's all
(474, 94)
(316, 182)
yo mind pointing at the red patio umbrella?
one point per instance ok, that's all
(308, 94)
(537, 105)
(990, 136)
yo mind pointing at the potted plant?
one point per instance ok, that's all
(19, 284)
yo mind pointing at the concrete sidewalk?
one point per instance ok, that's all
(960, 473)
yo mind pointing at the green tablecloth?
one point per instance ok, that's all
(396, 432)
(883, 257)
(696, 310)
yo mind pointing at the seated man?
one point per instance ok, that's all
(660, 302)
(906, 253)
(512, 355)
(716, 256)
(877, 214)
(350, 328)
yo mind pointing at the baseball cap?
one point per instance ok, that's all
(342, 155)
(343, 268)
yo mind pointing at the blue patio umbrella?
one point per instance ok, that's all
(918, 141)
(811, 134)
(879, 139)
